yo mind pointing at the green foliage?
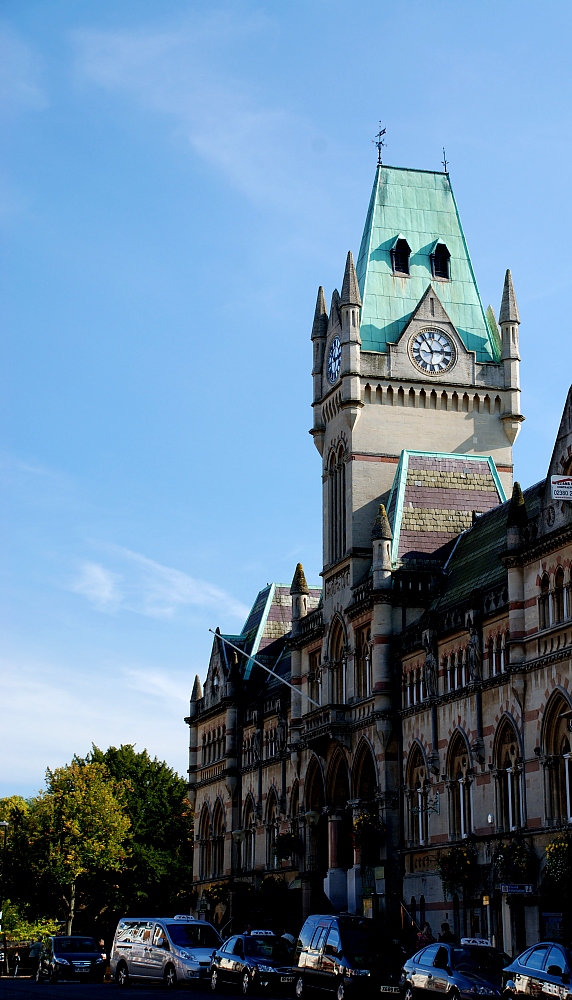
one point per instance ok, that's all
(287, 845)
(558, 868)
(18, 926)
(458, 869)
(513, 861)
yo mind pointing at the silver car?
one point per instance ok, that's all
(170, 949)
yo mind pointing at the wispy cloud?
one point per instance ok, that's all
(144, 586)
(20, 72)
(265, 151)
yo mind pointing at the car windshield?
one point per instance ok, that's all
(266, 947)
(193, 935)
(486, 961)
(359, 943)
(65, 945)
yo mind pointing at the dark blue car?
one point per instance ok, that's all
(542, 971)
(462, 971)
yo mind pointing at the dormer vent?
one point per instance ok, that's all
(400, 253)
(441, 262)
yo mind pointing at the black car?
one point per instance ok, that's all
(462, 971)
(252, 961)
(346, 955)
(72, 957)
(542, 971)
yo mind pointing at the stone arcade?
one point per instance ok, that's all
(438, 651)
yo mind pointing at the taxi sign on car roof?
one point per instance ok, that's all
(479, 942)
(263, 934)
(183, 916)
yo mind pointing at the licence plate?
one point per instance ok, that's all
(286, 979)
(390, 989)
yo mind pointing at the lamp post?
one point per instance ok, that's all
(4, 826)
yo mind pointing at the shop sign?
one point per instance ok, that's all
(561, 487)
(510, 888)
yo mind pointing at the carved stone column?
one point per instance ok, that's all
(335, 882)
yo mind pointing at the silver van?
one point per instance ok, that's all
(170, 949)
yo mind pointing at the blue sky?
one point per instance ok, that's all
(176, 180)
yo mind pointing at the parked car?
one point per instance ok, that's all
(170, 949)
(345, 955)
(253, 961)
(74, 957)
(471, 968)
(542, 971)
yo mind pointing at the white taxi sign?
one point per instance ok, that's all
(561, 487)
(479, 942)
(262, 934)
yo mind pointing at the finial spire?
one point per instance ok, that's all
(381, 526)
(517, 514)
(299, 585)
(379, 142)
(509, 308)
(445, 161)
(320, 324)
(350, 287)
(197, 689)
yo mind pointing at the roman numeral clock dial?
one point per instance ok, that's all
(334, 360)
(432, 352)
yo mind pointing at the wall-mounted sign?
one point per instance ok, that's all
(561, 487)
(510, 889)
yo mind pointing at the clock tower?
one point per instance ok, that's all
(407, 358)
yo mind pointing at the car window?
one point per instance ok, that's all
(333, 943)
(556, 958)
(441, 960)
(193, 935)
(319, 935)
(267, 947)
(536, 958)
(158, 936)
(65, 945)
(479, 959)
(228, 946)
(305, 935)
(238, 948)
(427, 957)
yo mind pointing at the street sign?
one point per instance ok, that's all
(510, 889)
(561, 487)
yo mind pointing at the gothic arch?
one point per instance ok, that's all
(553, 728)
(249, 827)
(205, 842)
(316, 823)
(338, 780)
(337, 642)
(417, 786)
(272, 820)
(364, 772)
(314, 786)
(294, 800)
(557, 746)
(508, 775)
(218, 838)
(459, 775)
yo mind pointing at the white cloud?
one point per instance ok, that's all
(265, 151)
(20, 87)
(147, 587)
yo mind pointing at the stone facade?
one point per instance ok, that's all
(429, 679)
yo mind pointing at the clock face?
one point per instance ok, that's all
(432, 351)
(334, 359)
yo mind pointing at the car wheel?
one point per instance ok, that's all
(408, 995)
(170, 977)
(39, 977)
(122, 975)
(341, 991)
(214, 981)
(247, 985)
(299, 988)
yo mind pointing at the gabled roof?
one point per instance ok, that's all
(417, 205)
(432, 501)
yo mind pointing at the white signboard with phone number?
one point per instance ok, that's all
(561, 487)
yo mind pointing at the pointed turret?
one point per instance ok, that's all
(350, 287)
(381, 526)
(299, 591)
(299, 585)
(509, 308)
(517, 518)
(197, 690)
(320, 324)
(509, 320)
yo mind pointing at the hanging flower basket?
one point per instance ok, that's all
(513, 861)
(216, 894)
(558, 868)
(458, 869)
(367, 831)
(287, 845)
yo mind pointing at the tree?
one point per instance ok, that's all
(78, 827)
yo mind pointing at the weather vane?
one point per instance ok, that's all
(378, 141)
(445, 161)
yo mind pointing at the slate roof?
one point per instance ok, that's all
(419, 206)
(432, 501)
(474, 563)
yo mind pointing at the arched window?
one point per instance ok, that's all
(314, 678)
(559, 761)
(218, 841)
(491, 656)
(400, 254)
(417, 787)
(559, 595)
(363, 663)
(337, 505)
(204, 844)
(509, 779)
(452, 672)
(248, 859)
(295, 812)
(337, 665)
(440, 262)
(544, 603)
(459, 771)
(271, 830)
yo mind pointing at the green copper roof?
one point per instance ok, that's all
(417, 205)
